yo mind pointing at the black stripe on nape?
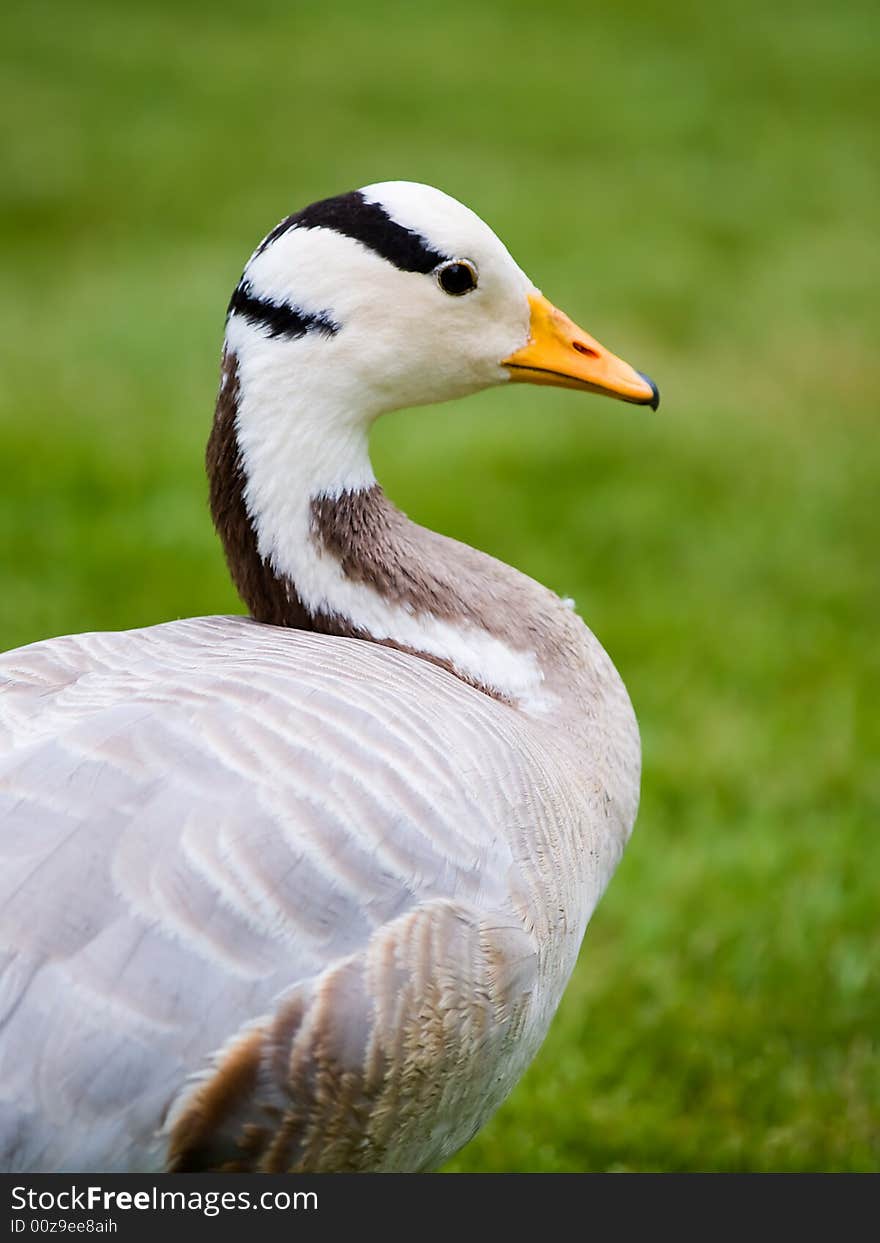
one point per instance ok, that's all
(368, 223)
(279, 320)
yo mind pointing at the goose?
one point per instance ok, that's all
(300, 891)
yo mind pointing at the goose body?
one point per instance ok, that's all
(302, 890)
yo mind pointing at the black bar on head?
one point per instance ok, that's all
(279, 319)
(368, 223)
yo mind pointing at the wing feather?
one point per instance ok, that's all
(212, 825)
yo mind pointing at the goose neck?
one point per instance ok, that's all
(312, 542)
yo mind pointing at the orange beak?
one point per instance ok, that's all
(558, 352)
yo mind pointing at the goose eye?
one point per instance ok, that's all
(457, 277)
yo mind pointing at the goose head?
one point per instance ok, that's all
(398, 295)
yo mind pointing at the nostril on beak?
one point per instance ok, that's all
(585, 349)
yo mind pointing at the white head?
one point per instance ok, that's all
(396, 295)
(365, 272)
(393, 295)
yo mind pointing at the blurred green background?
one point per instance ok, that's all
(697, 185)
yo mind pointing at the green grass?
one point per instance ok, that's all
(695, 184)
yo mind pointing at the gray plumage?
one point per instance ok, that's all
(380, 871)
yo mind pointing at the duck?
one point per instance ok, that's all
(301, 891)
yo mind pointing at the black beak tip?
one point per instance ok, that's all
(654, 403)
